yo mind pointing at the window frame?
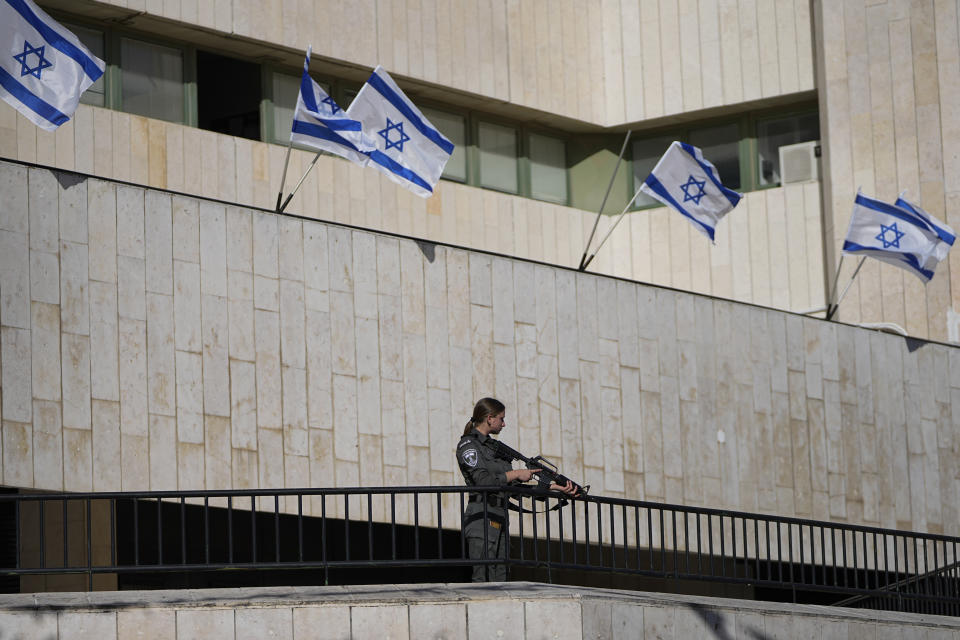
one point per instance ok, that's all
(526, 164)
(188, 77)
(474, 151)
(112, 85)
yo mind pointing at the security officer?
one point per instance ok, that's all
(481, 466)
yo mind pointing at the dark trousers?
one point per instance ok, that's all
(495, 546)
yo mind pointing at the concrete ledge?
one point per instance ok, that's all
(468, 611)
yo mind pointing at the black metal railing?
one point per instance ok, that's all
(347, 532)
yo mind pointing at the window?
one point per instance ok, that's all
(498, 157)
(548, 168)
(228, 95)
(646, 154)
(93, 40)
(151, 81)
(285, 88)
(774, 133)
(721, 146)
(454, 127)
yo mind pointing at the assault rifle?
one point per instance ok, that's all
(548, 472)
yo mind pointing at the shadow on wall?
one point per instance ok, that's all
(429, 250)
(914, 343)
(717, 623)
(68, 179)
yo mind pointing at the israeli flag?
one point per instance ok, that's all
(688, 182)
(903, 235)
(319, 123)
(410, 150)
(43, 67)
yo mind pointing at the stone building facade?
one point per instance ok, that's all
(162, 328)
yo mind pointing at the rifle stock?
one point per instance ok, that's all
(548, 472)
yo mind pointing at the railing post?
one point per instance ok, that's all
(89, 546)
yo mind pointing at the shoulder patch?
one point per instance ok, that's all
(469, 457)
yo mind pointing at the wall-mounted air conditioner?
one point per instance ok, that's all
(800, 162)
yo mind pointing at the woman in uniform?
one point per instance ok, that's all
(481, 466)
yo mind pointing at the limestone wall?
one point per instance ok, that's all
(600, 61)
(512, 611)
(769, 251)
(888, 87)
(160, 341)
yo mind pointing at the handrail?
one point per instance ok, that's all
(352, 528)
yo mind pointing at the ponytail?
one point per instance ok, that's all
(484, 408)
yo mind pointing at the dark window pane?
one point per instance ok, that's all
(151, 80)
(228, 95)
(721, 146)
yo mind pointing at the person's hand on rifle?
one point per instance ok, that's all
(568, 488)
(521, 475)
(525, 475)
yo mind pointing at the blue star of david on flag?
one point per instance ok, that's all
(385, 134)
(897, 234)
(334, 107)
(46, 68)
(909, 238)
(42, 63)
(698, 190)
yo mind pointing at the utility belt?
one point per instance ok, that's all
(497, 522)
(493, 500)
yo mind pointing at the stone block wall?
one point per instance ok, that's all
(511, 611)
(769, 251)
(159, 341)
(888, 81)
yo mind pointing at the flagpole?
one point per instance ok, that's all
(831, 312)
(283, 179)
(583, 259)
(833, 289)
(610, 230)
(297, 188)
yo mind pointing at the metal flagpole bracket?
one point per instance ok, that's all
(583, 259)
(832, 293)
(832, 311)
(297, 188)
(283, 178)
(610, 230)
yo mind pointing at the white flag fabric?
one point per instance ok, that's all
(43, 67)
(410, 150)
(904, 236)
(319, 123)
(945, 234)
(688, 182)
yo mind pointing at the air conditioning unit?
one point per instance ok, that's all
(800, 162)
